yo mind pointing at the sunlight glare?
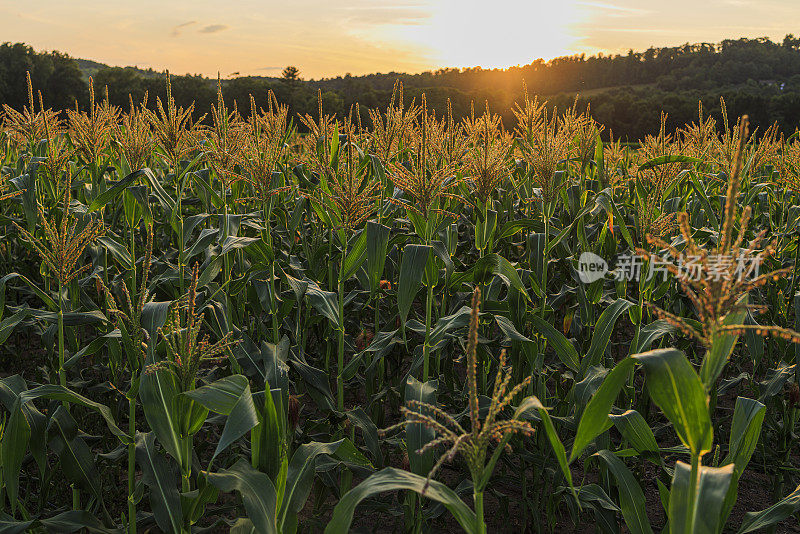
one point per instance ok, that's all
(469, 33)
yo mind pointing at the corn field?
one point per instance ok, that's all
(395, 322)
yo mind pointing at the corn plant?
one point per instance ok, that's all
(257, 293)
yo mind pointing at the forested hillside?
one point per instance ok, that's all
(625, 92)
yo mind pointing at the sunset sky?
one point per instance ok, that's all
(324, 38)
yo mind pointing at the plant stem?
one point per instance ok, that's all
(637, 333)
(133, 263)
(545, 253)
(693, 492)
(426, 348)
(273, 297)
(186, 470)
(62, 374)
(340, 359)
(131, 466)
(379, 373)
(186, 474)
(481, 524)
(226, 260)
(180, 249)
(330, 284)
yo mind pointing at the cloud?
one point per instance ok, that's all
(214, 28)
(176, 30)
(379, 15)
(269, 68)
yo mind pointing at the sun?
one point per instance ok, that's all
(490, 34)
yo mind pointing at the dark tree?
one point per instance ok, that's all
(627, 92)
(291, 74)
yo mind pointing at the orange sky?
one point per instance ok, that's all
(325, 38)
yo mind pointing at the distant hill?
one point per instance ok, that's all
(627, 92)
(90, 67)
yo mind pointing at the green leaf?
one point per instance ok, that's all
(8, 324)
(228, 396)
(594, 497)
(566, 231)
(445, 326)
(234, 243)
(648, 335)
(75, 457)
(221, 396)
(606, 200)
(776, 513)
(243, 526)
(484, 230)
(48, 300)
(704, 515)
(722, 347)
(70, 319)
(674, 387)
(159, 395)
(13, 447)
(491, 265)
(412, 268)
(216, 200)
(632, 501)
(154, 315)
(634, 428)
(602, 332)
(552, 436)
(748, 416)
(443, 253)
(300, 474)
(325, 302)
(190, 223)
(210, 272)
(257, 491)
(116, 190)
(119, 252)
(512, 227)
(509, 330)
(377, 245)
(27, 184)
(10, 390)
(358, 417)
(267, 438)
(203, 241)
(594, 420)
(317, 382)
(417, 434)
(700, 191)
(565, 351)
(63, 523)
(161, 478)
(61, 393)
(391, 479)
(355, 256)
(138, 195)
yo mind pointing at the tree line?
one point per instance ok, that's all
(625, 92)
